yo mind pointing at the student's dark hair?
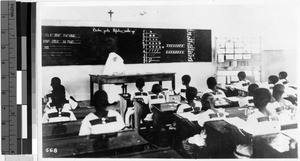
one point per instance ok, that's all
(241, 75)
(100, 100)
(261, 97)
(251, 88)
(282, 75)
(186, 79)
(273, 79)
(278, 91)
(156, 88)
(211, 82)
(55, 81)
(191, 93)
(140, 83)
(205, 103)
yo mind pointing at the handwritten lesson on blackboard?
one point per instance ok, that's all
(63, 45)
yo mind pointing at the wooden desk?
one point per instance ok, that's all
(120, 79)
(93, 147)
(163, 115)
(61, 129)
(274, 146)
(155, 153)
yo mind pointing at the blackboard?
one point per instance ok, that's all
(63, 45)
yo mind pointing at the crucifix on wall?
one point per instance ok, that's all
(110, 14)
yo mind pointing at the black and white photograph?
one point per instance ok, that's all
(167, 79)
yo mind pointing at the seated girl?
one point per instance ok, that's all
(141, 97)
(212, 86)
(248, 100)
(260, 121)
(102, 121)
(191, 105)
(281, 105)
(70, 101)
(56, 107)
(155, 96)
(208, 112)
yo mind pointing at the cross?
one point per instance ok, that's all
(110, 14)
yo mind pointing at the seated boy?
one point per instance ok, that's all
(191, 105)
(102, 121)
(56, 110)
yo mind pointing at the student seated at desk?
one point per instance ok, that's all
(185, 79)
(70, 101)
(261, 98)
(212, 88)
(191, 105)
(272, 80)
(155, 96)
(278, 103)
(102, 121)
(57, 111)
(143, 98)
(290, 92)
(242, 84)
(248, 100)
(207, 113)
(260, 121)
(283, 77)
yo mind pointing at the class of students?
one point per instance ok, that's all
(265, 111)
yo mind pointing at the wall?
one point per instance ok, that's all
(276, 24)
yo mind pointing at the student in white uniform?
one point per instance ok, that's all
(143, 98)
(185, 79)
(248, 100)
(272, 80)
(70, 102)
(191, 105)
(242, 84)
(260, 121)
(56, 106)
(212, 88)
(208, 112)
(102, 121)
(283, 77)
(279, 103)
(290, 92)
(155, 96)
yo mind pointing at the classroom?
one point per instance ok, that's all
(167, 80)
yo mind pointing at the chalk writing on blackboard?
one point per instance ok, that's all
(66, 45)
(114, 30)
